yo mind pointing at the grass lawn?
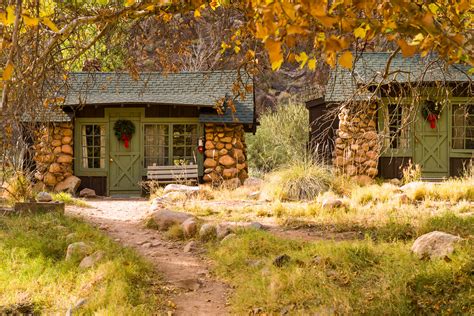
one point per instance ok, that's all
(35, 277)
(345, 278)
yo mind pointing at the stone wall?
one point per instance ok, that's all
(54, 154)
(225, 159)
(357, 144)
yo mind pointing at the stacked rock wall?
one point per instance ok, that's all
(225, 160)
(54, 153)
(357, 144)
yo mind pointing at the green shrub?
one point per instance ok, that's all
(299, 181)
(281, 138)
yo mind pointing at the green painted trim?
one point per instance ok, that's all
(392, 152)
(78, 169)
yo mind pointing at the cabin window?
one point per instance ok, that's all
(170, 144)
(93, 146)
(463, 126)
(185, 139)
(156, 144)
(396, 127)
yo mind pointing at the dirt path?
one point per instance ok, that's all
(187, 274)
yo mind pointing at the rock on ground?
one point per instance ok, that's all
(253, 182)
(87, 193)
(414, 185)
(207, 232)
(77, 250)
(91, 260)
(190, 246)
(44, 197)
(222, 230)
(181, 188)
(164, 219)
(331, 202)
(434, 245)
(189, 227)
(70, 185)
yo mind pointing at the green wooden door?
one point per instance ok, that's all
(125, 163)
(431, 150)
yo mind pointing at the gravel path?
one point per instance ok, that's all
(187, 274)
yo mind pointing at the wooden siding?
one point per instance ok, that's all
(457, 166)
(322, 129)
(151, 111)
(391, 167)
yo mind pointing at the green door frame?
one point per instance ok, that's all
(131, 170)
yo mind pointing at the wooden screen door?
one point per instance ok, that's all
(431, 150)
(124, 163)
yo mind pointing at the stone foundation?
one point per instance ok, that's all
(225, 159)
(54, 154)
(357, 144)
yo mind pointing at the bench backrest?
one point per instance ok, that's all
(175, 173)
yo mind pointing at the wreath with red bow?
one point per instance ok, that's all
(431, 111)
(124, 129)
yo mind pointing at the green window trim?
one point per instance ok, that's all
(396, 128)
(170, 143)
(462, 129)
(80, 147)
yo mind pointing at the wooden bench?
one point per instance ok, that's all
(173, 174)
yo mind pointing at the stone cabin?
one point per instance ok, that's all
(422, 112)
(175, 121)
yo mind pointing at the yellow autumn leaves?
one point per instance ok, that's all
(7, 18)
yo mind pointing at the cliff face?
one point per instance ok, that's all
(185, 44)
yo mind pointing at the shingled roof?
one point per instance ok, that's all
(183, 88)
(369, 68)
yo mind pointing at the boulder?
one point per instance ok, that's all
(227, 161)
(231, 184)
(253, 182)
(55, 168)
(70, 185)
(50, 179)
(401, 197)
(64, 158)
(87, 193)
(222, 231)
(209, 145)
(434, 245)
(77, 250)
(363, 180)
(66, 140)
(207, 232)
(91, 260)
(228, 237)
(331, 203)
(372, 172)
(189, 227)
(413, 186)
(190, 246)
(181, 188)
(210, 163)
(164, 219)
(230, 173)
(67, 149)
(56, 143)
(44, 197)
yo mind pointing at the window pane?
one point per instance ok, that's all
(93, 146)
(463, 126)
(156, 144)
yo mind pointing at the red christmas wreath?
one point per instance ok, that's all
(124, 129)
(431, 111)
